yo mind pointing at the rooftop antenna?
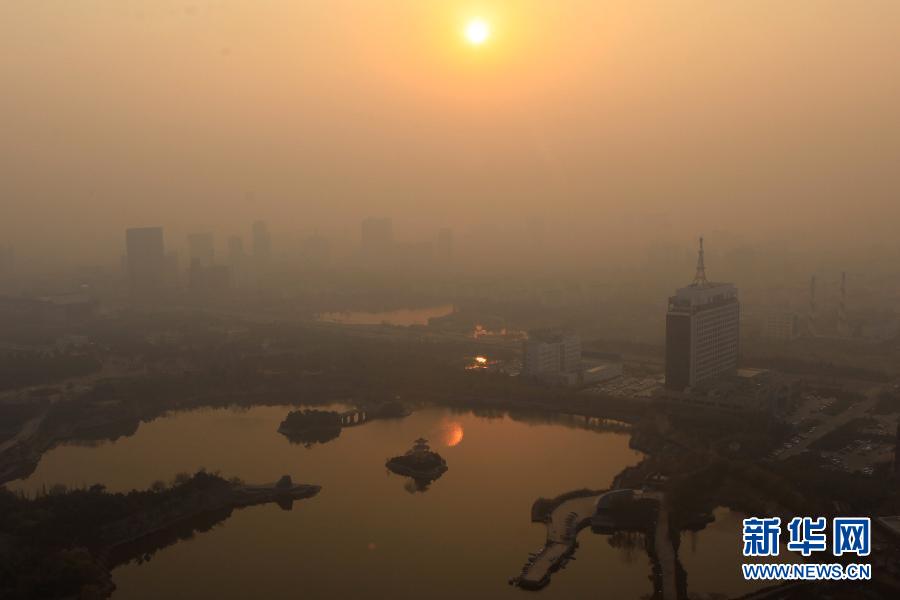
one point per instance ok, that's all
(700, 278)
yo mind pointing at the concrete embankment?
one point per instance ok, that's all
(606, 512)
(563, 525)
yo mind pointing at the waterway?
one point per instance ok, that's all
(403, 317)
(369, 533)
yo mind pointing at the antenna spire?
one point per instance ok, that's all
(700, 278)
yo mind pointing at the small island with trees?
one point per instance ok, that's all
(311, 426)
(420, 462)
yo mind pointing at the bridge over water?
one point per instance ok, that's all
(352, 418)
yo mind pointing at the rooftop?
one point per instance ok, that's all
(550, 336)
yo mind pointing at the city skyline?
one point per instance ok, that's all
(601, 119)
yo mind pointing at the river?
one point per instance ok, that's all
(402, 317)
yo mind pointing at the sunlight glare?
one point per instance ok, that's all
(477, 32)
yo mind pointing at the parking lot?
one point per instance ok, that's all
(871, 437)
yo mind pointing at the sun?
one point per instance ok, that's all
(477, 31)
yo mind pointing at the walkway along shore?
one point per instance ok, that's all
(566, 515)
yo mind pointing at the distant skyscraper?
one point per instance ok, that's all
(262, 242)
(146, 261)
(238, 262)
(236, 254)
(702, 331)
(377, 239)
(201, 249)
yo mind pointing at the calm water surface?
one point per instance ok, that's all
(366, 535)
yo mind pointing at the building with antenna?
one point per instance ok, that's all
(702, 331)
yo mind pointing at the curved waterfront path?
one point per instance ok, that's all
(563, 526)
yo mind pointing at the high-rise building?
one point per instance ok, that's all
(551, 355)
(262, 242)
(145, 261)
(238, 262)
(377, 239)
(236, 254)
(702, 331)
(201, 250)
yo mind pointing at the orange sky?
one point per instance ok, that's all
(754, 116)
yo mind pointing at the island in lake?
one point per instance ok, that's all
(311, 426)
(420, 463)
(320, 426)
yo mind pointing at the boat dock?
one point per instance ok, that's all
(576, 512)
(563, 526)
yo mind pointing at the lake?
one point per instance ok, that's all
(403, 317)
(368, 534)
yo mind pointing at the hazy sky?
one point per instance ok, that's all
(753, 116)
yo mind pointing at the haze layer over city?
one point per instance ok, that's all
(613, 124)
(348, 298)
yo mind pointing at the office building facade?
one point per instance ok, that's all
(145, 261)
(551, 355)
(702, 331)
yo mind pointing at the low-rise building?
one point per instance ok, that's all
(552, 356)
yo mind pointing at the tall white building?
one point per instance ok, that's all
(551, 355)
(702, 331)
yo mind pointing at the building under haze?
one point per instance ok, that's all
(553, 356)
(377, 239)
(236, 254)
(145, 261)
(702, 331)
(262, 242)
(201, 250)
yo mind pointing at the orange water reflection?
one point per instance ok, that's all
(452, 433)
